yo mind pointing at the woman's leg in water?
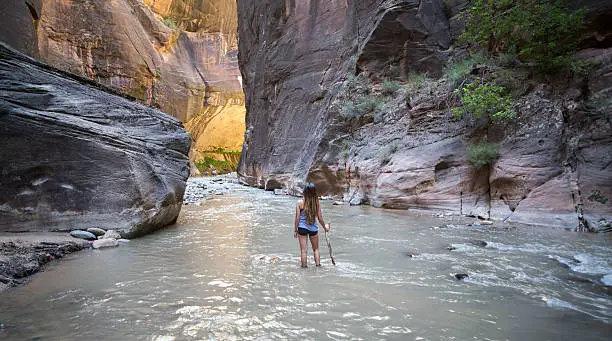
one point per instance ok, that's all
(314, 240)
(303, 249)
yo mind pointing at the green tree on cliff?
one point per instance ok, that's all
(544, 31)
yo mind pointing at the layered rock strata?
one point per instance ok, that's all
(76, 155)
(179, 56)
(298, 57)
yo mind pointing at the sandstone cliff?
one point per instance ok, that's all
(299, 57)
(179, 56)
(75, 155)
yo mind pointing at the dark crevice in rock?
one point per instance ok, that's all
(33, 12)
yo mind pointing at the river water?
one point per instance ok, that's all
(229, 270)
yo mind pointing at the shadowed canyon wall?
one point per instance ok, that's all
(297, 57)
(179, 56)
(76, 155)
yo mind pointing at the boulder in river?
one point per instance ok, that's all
(106, 242)
(480, 243)
(73, 152)
(461, 276)
(111, 234)
(96, 231)
(83, 235)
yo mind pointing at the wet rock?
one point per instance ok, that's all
(579, 279)
(338, 203)
(461, 276)
(410, 254)
(355, 201)
(606, 289)
(96, 231)
(83, 235)
(106, 242)
(280, 191)
(480, 243)
(451, 248)
(111, 234)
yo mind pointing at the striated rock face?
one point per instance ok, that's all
(179, 56)
(77, 156)
(297, 57)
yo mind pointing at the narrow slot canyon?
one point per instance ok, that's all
(161, 162)
(178, 56)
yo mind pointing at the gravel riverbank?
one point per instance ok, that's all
(23, 254)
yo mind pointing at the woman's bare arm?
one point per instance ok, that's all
(297, 219)
(320, 217)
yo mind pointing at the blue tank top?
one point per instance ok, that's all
(303, 224)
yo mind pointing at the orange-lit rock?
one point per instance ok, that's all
(176, 55)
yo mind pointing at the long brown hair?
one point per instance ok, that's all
(311, 203)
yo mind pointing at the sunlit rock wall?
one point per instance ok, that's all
(296, 56)
(178, 56)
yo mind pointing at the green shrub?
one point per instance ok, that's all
(389, 87)
(482, 154)
(417, 81)
(360, 106)
(171, 24)
(348, 110)
(457, 73)
(357, 85)
(479, 100)
(386, 153)
(596, 196)
(393, 59)
(543, 31)
(227, 165)
(507, 59)
(514, 81)
(367, 105)
(599, 103)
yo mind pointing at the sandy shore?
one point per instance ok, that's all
(23, 254)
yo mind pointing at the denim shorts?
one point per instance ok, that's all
(305, 232)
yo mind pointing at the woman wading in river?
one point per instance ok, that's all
(306, 210)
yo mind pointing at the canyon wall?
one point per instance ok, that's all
(179, 56)
(76, 155)
(298, 58)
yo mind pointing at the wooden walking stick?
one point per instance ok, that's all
(330, 249)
